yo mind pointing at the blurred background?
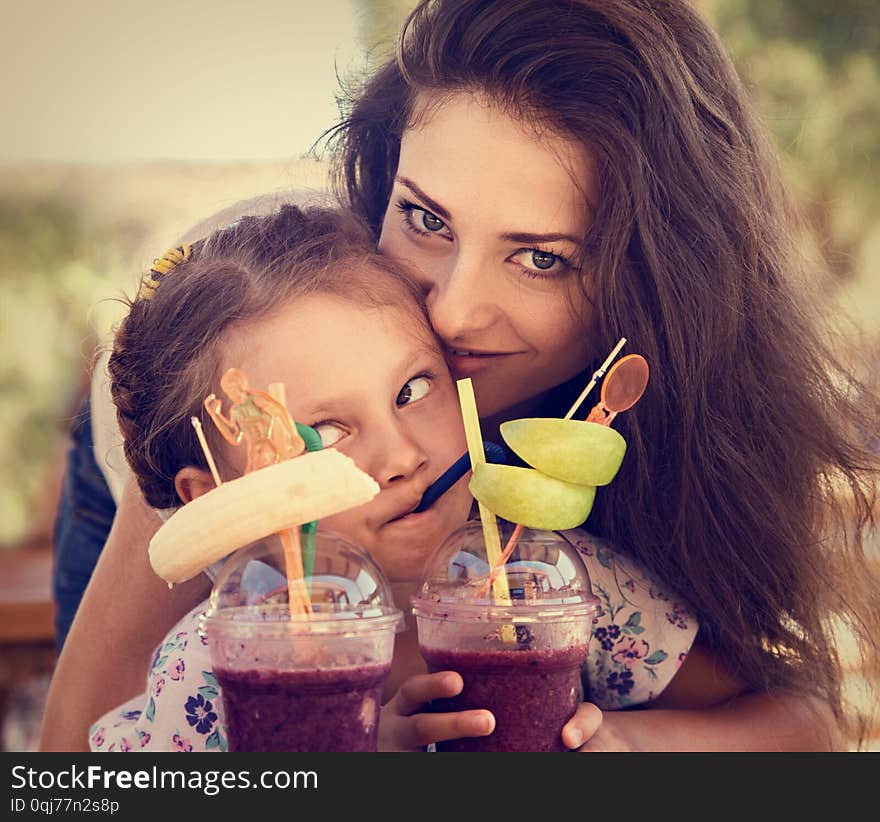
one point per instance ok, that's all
(127, 123)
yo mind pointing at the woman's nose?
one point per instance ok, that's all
(459, 302)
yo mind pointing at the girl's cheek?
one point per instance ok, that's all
(448, 418)
(449, 442)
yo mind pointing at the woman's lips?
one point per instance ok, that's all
(465, 363)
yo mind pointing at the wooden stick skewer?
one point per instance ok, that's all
(197, 424)
(597, 375)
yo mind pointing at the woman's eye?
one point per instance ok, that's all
(415, 389)
(422, 221)
(540, 263)
(330, 433)
(430, 222)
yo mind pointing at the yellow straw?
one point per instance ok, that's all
(197, 424)
(596, 375)
(478, 457)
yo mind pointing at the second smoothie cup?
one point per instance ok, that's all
(308, 682)
(520, 658)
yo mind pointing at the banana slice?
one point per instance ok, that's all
(316, 484)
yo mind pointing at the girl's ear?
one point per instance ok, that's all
(192, 482)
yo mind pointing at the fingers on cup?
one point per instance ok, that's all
(440, 727)
(582, 725)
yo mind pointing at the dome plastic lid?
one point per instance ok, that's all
(346, 591)
(546, 579)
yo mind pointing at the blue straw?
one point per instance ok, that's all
(494, 453)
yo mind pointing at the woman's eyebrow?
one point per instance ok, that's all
(535, 239)
(428, 201)
(513, 236)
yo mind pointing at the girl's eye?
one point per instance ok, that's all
(422, 221)
(539, 263)
(330, 433)
(415, 389)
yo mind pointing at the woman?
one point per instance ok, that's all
(562, 174)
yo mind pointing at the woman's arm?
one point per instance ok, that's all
(125, 612)
(752, 722)
(706, 708)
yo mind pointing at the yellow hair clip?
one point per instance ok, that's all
(161, 267)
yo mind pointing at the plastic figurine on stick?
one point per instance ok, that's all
(257, 418)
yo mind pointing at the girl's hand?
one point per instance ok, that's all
(589, 730)
(403, 726)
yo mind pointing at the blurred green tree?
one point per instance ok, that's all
(813, 70)
(54, 267)
(379, 21)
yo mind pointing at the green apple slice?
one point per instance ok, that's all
(584, 453)
(530, 497)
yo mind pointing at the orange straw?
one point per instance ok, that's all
(502, 560)
(297, 593)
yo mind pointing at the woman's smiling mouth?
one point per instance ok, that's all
(464, 362)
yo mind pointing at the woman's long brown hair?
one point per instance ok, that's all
(747, 483)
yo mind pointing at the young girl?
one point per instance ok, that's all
(560, 174)
(302, 298)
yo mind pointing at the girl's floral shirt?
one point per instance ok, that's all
(182, 709)
(640, 639)
(642, 635)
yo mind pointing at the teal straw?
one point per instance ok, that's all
(312, 439)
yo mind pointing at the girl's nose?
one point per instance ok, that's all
(398, 457)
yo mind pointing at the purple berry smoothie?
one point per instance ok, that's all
(334, 709)
(531, 693)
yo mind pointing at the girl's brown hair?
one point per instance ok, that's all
(166, 353)
(748, 437)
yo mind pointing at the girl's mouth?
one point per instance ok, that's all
(412, 518)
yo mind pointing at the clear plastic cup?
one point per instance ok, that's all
(306, 682)
(519, 657)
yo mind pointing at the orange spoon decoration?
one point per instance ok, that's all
(622, 388)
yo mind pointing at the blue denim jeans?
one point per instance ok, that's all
(82, 524)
